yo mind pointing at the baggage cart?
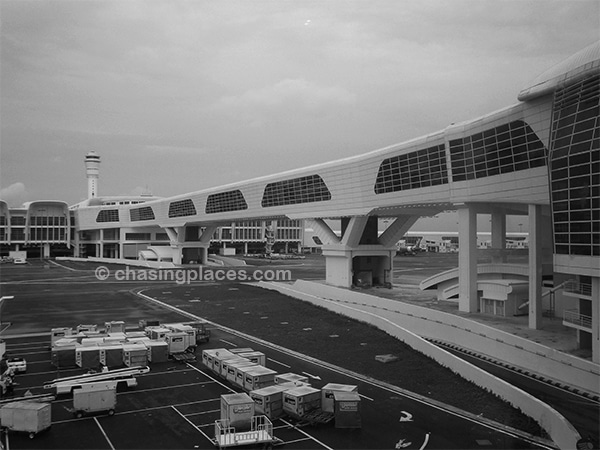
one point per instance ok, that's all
(260, 433)
(25, 416)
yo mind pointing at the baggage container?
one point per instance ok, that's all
(255, 357)
(64, 356)
(269, 400)
(226, 362)
(209, 355)
(28, 417)
(347, 409)
(115, 326)
(87, 357)
(240, 373)
(327, 391)
(116, 335)
(87, 328)
(158, 351)
(259, 377)
(59, 333)
(135, 334)
(190, 339)
(111, 355)
(233, 366)
(91, 341)
(157, 333)
(291, 378)
(241, 350)
(301, 400)
(177, 342)
(238, 409)
(95, 397)
(219, 358)
(135, 355)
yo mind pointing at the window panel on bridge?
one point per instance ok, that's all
(182, 208)
(107, 215)
(419, 169)
(307, 189)
(143, 213)
(507, 148)
(225, 201)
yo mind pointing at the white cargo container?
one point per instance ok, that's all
(233, 366)
(157, 333)
(177, 342)
(135, 355)
(88, 357)
(59, 333)
(301, 400)
(95, 397)
(28, 417)
(327, 397)
(238, 409)
(255, 357)
(227, 362)
(115, 326)
(111, 355)
(219, 358)
(240, 373)
(269, 400)
(291, 378)
(259, 377)
(158, 351)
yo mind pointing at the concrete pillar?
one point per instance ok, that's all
(498, 236)
(535, 266)
(467, 260)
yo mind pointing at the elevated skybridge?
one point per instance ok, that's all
(497, 159)
(497, 164)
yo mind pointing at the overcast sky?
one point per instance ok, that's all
(178, 96)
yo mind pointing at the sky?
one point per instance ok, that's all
(178, 95)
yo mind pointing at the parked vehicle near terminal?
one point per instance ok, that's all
(94, 398)
(25, 416)
(19, 365)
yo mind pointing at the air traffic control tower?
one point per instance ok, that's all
(92, 170)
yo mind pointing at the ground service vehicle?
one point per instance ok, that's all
(123, 377)
(94, 398)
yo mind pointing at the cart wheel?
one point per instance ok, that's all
(31, 435)
(111, 412)
(79, 414)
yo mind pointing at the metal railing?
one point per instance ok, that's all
(572, 316)
(577, 287)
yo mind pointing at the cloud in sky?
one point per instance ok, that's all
(187, 95)
(14, 195)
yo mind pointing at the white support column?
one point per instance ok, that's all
(354, 230)
(498, 236)
(535, 266)
(467, 259)
(323, 231)
(397, 230)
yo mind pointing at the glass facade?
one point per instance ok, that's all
(503, 149)
(107, 215)
(143, 213)
(225, 201)
(182, 208)
(575, 168)
(298, 190)
(423, 168)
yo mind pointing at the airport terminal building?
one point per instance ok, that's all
(538, 158)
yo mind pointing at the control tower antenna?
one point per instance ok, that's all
(92, 171)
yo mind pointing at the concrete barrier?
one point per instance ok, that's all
(557, 427)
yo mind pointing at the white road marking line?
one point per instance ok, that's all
(192, 424)
(104, 434)
(306, 434)
(279, 362)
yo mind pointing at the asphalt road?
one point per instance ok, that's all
(174, 406)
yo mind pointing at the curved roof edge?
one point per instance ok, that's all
(576, 66)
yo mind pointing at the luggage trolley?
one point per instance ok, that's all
(261, 432)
